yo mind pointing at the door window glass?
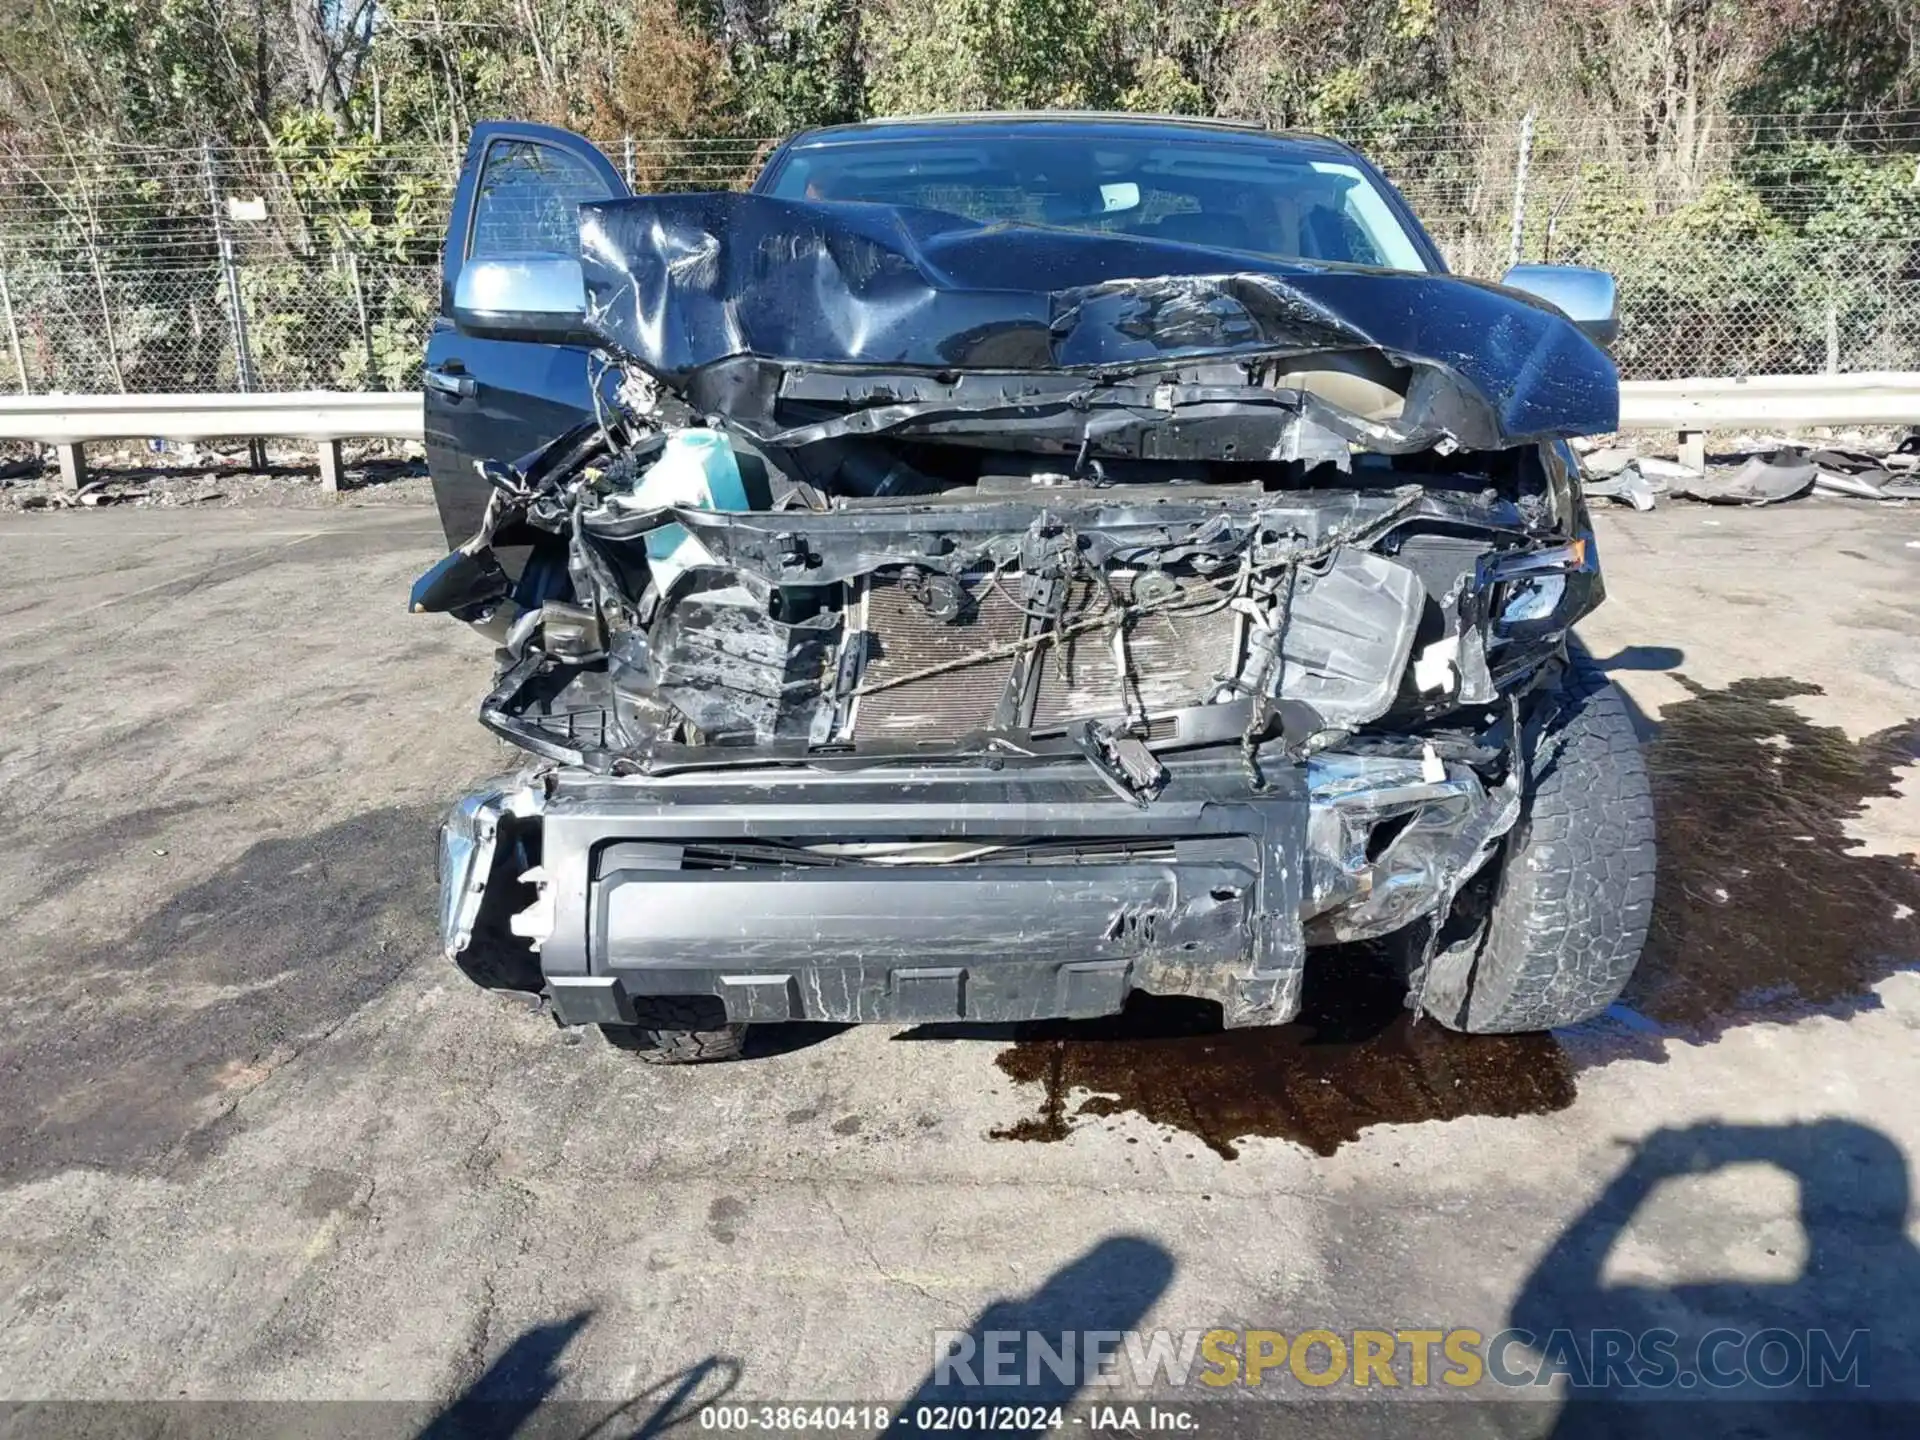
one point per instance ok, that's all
(527, 201)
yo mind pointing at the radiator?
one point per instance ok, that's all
(1173, 660)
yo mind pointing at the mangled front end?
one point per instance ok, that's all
(913, 649)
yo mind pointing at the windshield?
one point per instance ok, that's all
(1268, 197)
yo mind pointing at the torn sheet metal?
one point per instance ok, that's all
(1763, 480)
(1863, 476)
(690, 286)
(1629, 485)
(469, 836)
(1442, 821)
(1847, 482)
(1784, 472)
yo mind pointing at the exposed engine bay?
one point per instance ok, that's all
(845, 507)
(975, 615)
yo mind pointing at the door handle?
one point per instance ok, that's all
(450, 382)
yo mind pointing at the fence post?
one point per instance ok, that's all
(1521, 163)
(627, 145)
(360, 307)
(13, 332)
(236, 307)
(106, 309)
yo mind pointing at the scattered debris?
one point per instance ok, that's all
(1762, 470)
(1871, 477)
(137, 474)
(1655, 468)
(1606, 462)
(1630, 486)
(25, 467)
(1763, 480)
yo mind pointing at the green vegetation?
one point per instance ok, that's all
(1752, 170)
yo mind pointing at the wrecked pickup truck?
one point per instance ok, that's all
(998, 565)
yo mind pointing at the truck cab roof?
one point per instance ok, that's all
(1117, 124)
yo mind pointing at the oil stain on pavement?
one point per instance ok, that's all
(1352, 1059)
(1761, 913)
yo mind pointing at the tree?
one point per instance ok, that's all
(928, 56)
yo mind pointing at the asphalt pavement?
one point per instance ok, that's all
(259, 1142)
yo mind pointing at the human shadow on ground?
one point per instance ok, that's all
(1109, 1288)
(995, 1362)
(1641, 657)
(1834, 1350)
(502, 1396)
(513, 1396)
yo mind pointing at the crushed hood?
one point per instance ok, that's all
(689, 285)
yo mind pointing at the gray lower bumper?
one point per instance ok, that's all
(1212, 891)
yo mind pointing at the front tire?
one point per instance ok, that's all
(1574, 895)
(678, 1030)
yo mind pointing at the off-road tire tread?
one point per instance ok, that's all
(1575, 895)
(676, 1030)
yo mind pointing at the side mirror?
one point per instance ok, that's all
(538, 298)
(1589, 298)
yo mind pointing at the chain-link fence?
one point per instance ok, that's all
(1774, 245)
(1766, 245)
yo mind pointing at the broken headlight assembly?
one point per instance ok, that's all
(1533, 599)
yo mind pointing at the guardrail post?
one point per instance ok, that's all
(73, 466)
(1693, 450)
(330, 466)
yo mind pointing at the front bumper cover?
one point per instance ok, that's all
(1213, 891)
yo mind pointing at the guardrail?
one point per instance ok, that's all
(1767, 402)
(325, 417)
(1689, 407)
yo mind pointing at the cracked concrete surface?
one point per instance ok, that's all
(258, 1141)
